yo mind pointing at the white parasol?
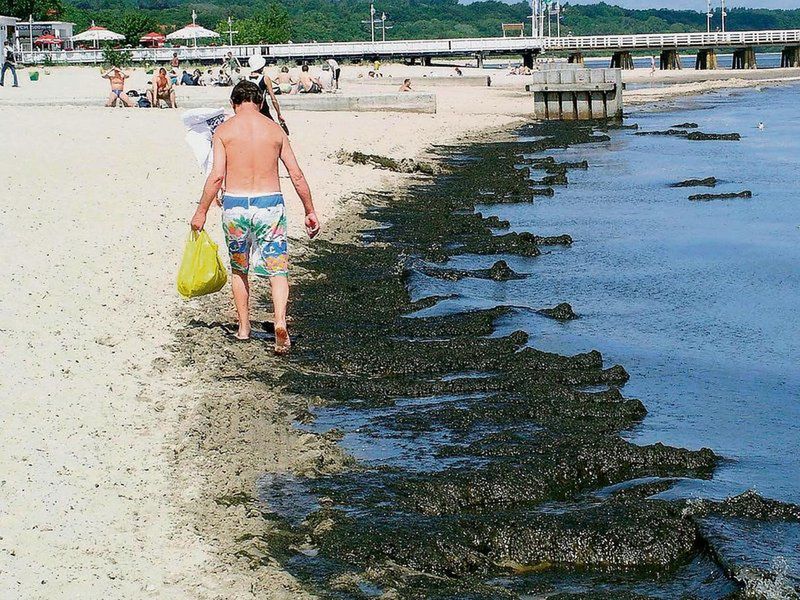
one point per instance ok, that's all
(97, 34)
(193, 31)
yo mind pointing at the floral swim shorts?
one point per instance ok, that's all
(255, 233)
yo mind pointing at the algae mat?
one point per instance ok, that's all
(489, 469)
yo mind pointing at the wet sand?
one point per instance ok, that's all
(127, 442)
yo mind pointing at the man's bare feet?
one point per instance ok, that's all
(243, 333)
(282, 341)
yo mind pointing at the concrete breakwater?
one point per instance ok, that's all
(490, 469)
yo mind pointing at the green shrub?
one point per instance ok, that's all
(113, 57)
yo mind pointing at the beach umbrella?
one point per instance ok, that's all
(48, 39)
(192, 31)
(97, 34)
(154, 38)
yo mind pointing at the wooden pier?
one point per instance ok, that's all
(668, 45)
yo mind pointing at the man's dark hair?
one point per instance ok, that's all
(246, 91)
(304, 68)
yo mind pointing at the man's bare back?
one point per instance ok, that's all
(253, 144)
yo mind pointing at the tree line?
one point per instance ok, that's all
(270, 21)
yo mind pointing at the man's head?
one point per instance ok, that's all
(284, 69)
(174, 55)
(162, 71)
(246, 92)
(304, 68)
(230, 54)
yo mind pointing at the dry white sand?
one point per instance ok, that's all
(93, 502)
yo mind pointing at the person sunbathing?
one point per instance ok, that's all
(117, 79)
(406, 87)
(284, 81)
(162, 90)
(308, 84)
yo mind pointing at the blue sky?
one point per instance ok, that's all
(695, 4)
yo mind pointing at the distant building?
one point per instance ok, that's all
(27, 32)
(7, 28)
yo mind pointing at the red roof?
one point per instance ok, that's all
(153, 36)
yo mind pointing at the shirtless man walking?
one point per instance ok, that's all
(117, 79)
(246, 150)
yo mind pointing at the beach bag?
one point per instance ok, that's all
(202, 271)
(143, 102)
(34, 75)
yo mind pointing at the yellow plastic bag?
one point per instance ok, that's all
(202, 271)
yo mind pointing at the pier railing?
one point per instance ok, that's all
(430, 48)
(398, 48)
(674, 40)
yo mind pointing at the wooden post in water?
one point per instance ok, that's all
(576, 58)
(527, 59)
(790, 57)
(706, 60)
(670, 60)
(622, 60)
(744, 58)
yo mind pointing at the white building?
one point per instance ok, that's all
(7, 28)
(28, 31)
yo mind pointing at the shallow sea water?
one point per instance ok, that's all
(698, 300)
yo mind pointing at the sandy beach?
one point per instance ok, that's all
(124, 428)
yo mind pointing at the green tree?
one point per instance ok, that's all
(42, 10)
(133, 25)
(269, 24)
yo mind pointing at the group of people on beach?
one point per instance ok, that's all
(162, 86)
(161, 89)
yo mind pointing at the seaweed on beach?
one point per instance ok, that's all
(510, 458)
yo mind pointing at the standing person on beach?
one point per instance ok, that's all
(258, 65)
(247, 148)
(9, 64)
(337, 72)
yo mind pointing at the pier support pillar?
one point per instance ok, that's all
(527, 59)
(670, 60)
(576, 58)
(579, 94)
(479, 60)
(706, 60)
(790, 57)
(744, 58)
(426, 61)
(622, 60)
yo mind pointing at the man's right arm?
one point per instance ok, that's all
(213, 183)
